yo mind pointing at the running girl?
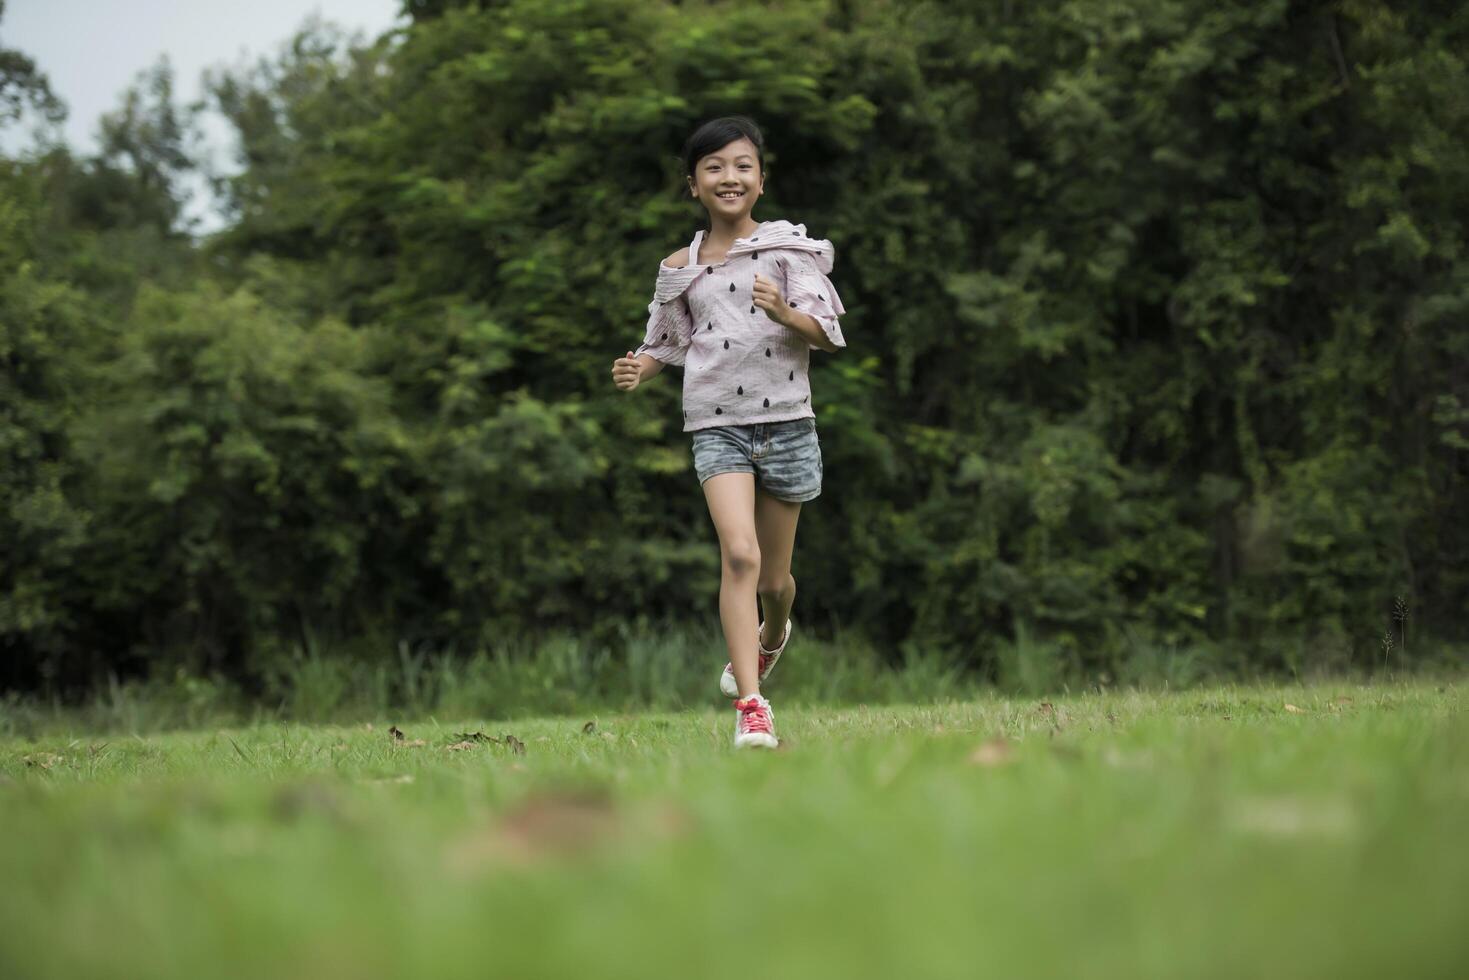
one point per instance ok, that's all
(741, 309)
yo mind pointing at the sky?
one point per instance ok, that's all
(91, 50)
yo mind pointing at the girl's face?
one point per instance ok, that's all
(728, 181)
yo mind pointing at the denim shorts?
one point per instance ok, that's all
(785, 457)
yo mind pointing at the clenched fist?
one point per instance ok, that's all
(767, 296)
(626, 372)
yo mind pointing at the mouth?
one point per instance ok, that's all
(730, 195)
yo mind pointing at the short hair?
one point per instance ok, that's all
(721, 132)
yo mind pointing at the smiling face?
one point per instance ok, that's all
(728, 181)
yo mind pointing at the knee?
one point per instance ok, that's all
(775, 586)
(742, 558)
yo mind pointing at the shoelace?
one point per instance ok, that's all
(753, 716)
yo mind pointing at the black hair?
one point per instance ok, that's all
(718, 133)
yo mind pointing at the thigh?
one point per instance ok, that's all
(775, 528)
(790, 468)
(731, 499)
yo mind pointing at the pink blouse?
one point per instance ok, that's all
(740, 366)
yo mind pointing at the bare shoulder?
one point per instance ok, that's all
(678, 259)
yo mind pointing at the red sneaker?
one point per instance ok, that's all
(727, 685)
(754, 725)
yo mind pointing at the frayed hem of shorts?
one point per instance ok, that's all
(795, 500)
(735, 469)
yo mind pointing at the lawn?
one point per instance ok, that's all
(1318, 831)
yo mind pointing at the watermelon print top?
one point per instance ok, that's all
(740, 366)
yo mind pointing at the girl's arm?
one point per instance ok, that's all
(648, 367)
(784, 312)
(810, 305)
(805, 324)
(630, 371)
(665, 341)
(808, 328)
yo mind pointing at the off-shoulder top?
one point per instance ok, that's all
(740, 366)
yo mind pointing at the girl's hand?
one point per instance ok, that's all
(627, 372)
(769, 299)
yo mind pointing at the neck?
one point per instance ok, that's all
(723, 229)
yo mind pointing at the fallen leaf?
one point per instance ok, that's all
(460, 746)
(671, 820)
(557, 825)
(515, 744)
(540, 826)
(992, 752)
(396, 733)
(43, 760)
(1046, 708)
(589, 728)
(1294, 710)
(474, 737)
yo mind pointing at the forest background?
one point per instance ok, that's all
(1156, 322)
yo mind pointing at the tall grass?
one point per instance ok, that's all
(653, 668)
(563, 673)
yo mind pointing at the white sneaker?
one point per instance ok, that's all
(727, 685)
(754, 724)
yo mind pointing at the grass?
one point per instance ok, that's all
(1208, 833)
(659, 668)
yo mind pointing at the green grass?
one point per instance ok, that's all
(1211, 833)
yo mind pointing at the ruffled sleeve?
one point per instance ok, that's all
(669, 332)
(808, 290)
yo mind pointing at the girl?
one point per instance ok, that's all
(741, 309)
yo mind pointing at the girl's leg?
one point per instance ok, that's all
(731, 498)
(775, 529)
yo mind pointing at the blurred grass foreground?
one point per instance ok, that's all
(1224, 832)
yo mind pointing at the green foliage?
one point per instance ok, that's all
(1154, 318)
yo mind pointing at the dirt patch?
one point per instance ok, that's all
(567, 824)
